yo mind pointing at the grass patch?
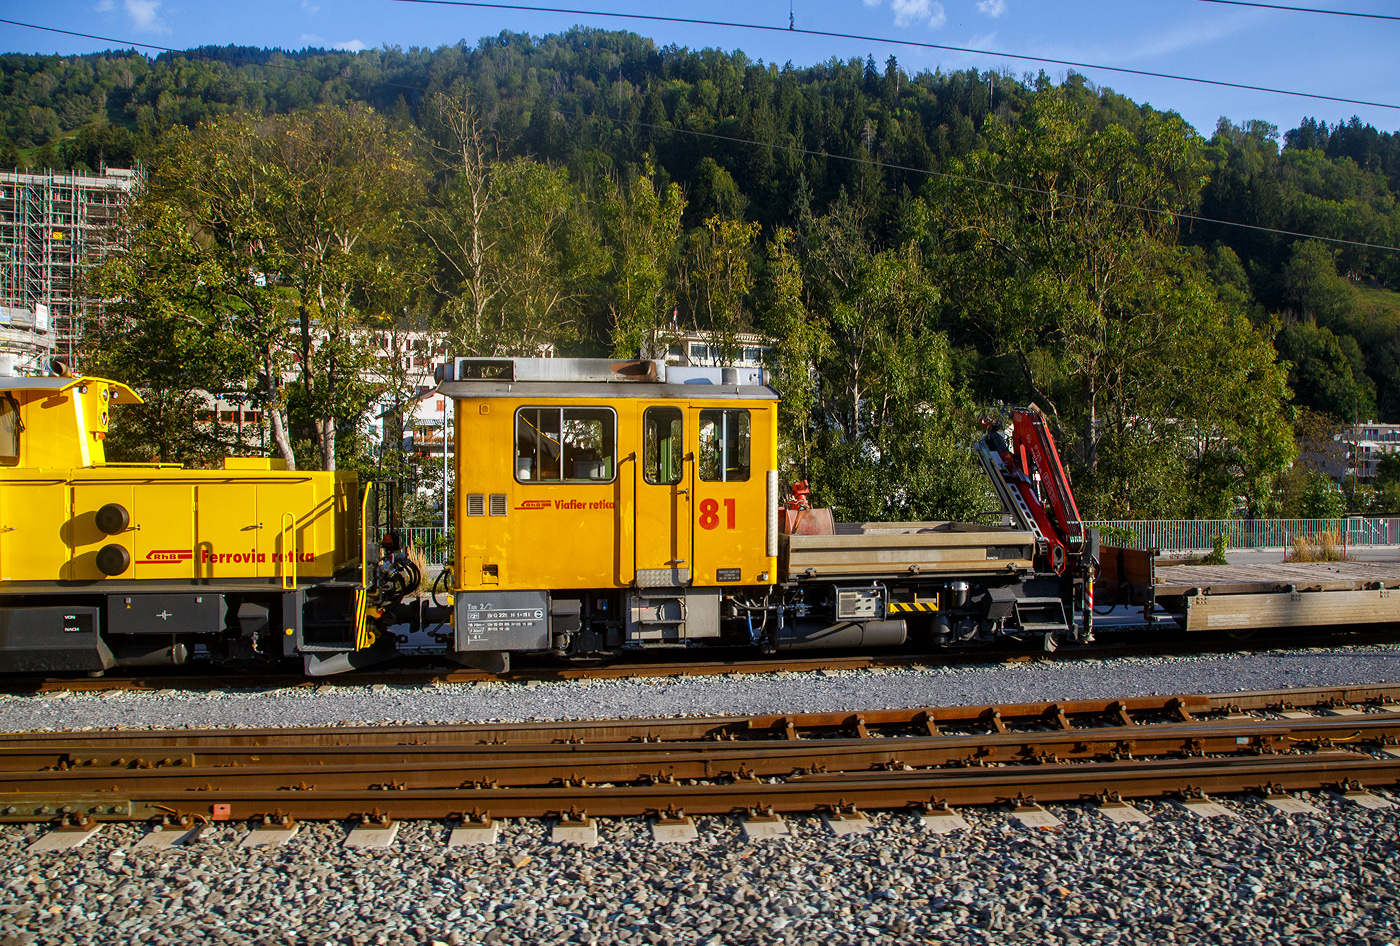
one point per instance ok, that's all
(1383, 302)
(1323, 547)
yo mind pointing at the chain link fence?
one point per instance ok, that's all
(1199, 535)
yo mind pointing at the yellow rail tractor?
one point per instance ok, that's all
(606, 506)
(601, 504)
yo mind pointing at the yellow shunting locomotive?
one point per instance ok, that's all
(601, 507)
(141, 564)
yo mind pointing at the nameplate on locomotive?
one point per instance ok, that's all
(502, 620)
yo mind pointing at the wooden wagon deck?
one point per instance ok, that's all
(1276, 577)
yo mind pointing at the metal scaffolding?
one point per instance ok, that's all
(53, 227)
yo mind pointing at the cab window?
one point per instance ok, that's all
(663, 446)
(10, 428)
(724, 446)
(565, 444)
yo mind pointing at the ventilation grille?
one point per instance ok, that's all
(476, 504)
(498, 504)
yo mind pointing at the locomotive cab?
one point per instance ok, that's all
(610, 505)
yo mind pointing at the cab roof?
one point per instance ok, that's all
(121, 393)
(599, 378)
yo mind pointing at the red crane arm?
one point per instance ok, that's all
(1013, 467)
(1033, 443)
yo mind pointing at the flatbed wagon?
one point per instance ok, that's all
(1254, 596)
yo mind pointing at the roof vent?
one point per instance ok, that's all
(640, 370)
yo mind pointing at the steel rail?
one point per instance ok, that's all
(290, 768)
(867, 758)
(981, 786)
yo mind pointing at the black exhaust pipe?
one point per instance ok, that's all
(150, 655)
(815, 635)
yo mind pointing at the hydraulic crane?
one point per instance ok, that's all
(1030, 481)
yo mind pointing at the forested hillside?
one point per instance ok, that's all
(930, 243)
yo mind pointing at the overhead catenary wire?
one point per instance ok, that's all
(1279, 6)
(832, 34)
(692, 21)
(193, 54)
(1180, 216)
(1018, 188)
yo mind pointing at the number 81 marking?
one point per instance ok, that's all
(709, 514)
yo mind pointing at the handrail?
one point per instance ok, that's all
(364, 533)
(362, 639)
(289, 531)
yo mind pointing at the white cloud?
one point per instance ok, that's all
(907, 12)
(145, 15)
(1156, 45)
(1173, 41)
(872, 3)
(311, 39)
(991, 7)
(105, 6)
(349, 46)
(310, 7)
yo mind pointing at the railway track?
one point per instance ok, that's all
(1170, 642)
(919, 758)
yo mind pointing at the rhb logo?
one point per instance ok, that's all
(166, 557)
(536, 504)
(210, 557)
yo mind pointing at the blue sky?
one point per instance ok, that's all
(1329, 55)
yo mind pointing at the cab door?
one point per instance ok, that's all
(87, 538)
(33, 546)
(726, 511)
(163, 540)
(663, 532)
(288, 520)
(226, 525)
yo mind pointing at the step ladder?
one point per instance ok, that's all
(657, 615)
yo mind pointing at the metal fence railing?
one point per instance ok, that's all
(433, 541)
(1165, 535)
(1195, 535)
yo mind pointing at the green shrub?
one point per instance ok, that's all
(1217, 551)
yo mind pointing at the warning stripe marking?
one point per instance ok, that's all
(898, 606)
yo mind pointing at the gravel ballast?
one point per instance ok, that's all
(332, 704)
(1260, 878)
